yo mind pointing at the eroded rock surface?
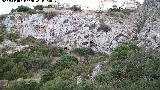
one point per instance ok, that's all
(148, 18)
(71, 30)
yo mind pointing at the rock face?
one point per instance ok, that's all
(100, 33)
(73, 30)
(149, 24)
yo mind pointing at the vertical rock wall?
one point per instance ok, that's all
(148, 19)
(71, 30)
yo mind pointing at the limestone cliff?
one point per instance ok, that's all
(71, 30)
(148, 19)
(99, 32)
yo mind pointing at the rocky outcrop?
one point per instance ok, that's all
(100, 33)
(71, 30)
(148, 22)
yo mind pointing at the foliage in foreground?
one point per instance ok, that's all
(139, 70)
(22, 64)
(22, 85)
(133, 68)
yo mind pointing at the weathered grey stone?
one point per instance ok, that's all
(148, 17)
(80, 30)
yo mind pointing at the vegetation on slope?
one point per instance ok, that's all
(120, 13)
(127, 68)
(2, 33)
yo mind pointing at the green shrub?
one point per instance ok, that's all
(76, 8)
(28, 40)
(103, 77)
(114, 14)
(23, 8)
(49, 50)
(32, 11)
(120, 13)
(20, 64)
(121, 51)
(2, 33)
(86, 85)
(83, 51)
(126, 11)
(67, 61)
(139, 71)
(143, 64)
(1, 38)
(58, 84)
(38, 7)
(11, 70)
(56, 51)
(2, 28)
(13, 10)
(2, 17)
(13, 36)
(64, 74)
(47, 75)
(22, 85)
(98, 57)
(60, 68)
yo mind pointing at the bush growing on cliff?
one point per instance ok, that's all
(31, 11)
(120, 13)
(29, 40)
(38, 7)
(126, 11)
(13, 10)
(13, 36)
(23, 8)
(2, 17)
(83, 51)
(121, 51)
(2, 33)
(67, 61)
(76, 8)
(1, 38)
